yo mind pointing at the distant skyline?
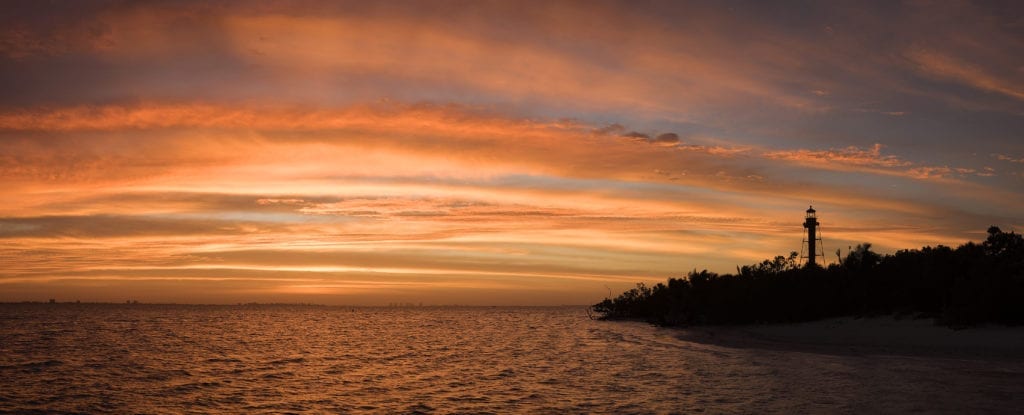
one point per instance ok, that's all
(489, 153)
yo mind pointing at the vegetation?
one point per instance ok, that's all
(972, 284)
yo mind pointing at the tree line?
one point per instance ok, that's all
(972, 284)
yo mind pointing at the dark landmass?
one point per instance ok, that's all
(975, 283)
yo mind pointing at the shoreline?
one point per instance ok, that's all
(885, 335)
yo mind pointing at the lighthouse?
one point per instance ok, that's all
(813, 239)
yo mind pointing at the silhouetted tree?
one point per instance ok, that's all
(971, 284)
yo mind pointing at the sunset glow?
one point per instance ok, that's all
(487, 153)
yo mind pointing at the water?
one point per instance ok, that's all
(307, 359)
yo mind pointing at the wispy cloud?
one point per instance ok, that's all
(1010, 159)
(849, 156)
(946, 67)
(872, 160)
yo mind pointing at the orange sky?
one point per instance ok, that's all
(487, 153)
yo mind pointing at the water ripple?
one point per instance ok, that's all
(282, 359)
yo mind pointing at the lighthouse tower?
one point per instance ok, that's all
(813, 239)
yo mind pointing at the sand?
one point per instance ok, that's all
(875, 335)
(866, 365)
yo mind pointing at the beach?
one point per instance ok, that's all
(870, 335)
(873, 365)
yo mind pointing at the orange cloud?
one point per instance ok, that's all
(399, 193)
(264, 143)
(872, 161)
(946, 67)
(1010, 159)
(853, 156)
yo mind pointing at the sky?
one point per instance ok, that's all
(488, 153)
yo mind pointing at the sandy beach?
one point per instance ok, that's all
(870, 365)
(869, 335)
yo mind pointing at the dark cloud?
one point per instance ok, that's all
(31, 28)
(667, 138)
(661, 139)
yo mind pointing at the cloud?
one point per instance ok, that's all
(110, 226)
(1004, 157)
(57, 35)
(611, 129)
(667, 139)
(433, 51)
(871, 160)
(636, 135)
(278, 144)
(872, 157)
(664, 139)
(448, 141)
(945, 67)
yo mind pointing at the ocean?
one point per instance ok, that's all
(94, 358)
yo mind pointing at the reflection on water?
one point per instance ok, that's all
(209, 359)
